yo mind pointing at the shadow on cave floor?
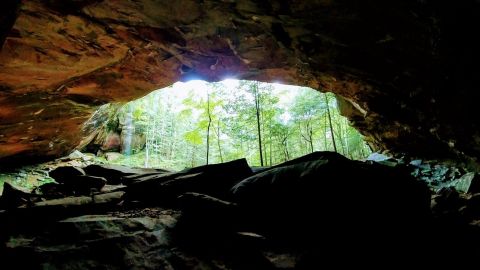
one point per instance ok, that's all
(313, 211)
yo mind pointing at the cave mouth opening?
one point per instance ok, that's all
(194, 123)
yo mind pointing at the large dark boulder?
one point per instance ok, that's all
(13, 196)
(64, 173)
(73, 180)
(117, 174)
(326, 200)
(214, 180)
(85, 184)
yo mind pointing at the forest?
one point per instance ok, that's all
(196, 123)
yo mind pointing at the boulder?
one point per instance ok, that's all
(447, 201)
(205, 217)
(198, 203)
(111, 156)
(85, 184)
(382, 159)
(327, 198)
(214, 180)
(115, 174)
(97, 242)
(13, 196)
(468, 183)
(112, 143)
(115, 241)
(54, 190)
(79, 202)
(62, 174)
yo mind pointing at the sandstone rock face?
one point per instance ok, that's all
(407, 70)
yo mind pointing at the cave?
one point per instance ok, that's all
(404, 73)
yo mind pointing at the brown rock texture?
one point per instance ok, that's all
(407, 70)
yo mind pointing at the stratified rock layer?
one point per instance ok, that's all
(407, 70)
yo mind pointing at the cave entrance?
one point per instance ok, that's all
(197, 122)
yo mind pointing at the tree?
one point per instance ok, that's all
(218, 134)
(256, 95)
(307, 110)
(281, 132)
(209, 115)
(246, 106)
(210, 123)
(330, 122)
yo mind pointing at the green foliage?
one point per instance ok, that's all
(26, 178)
(293, 122)
(193, 137)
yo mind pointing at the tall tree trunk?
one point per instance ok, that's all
(218, 141)
(262, 131)
(325, 143)
(146, 156)
(311, 139)
(308, 137)
(194, 149)
(347, 146)
(257, 108)
(340, 135)
(172, 139)
(309, 130)
(285, 148)
(270, 150)
(158, 137)
(301, 141)
(147, 145)
(154, 140)
(209, 123)
(145, 164)
(330, 123)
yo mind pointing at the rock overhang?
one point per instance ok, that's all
(406, 70)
